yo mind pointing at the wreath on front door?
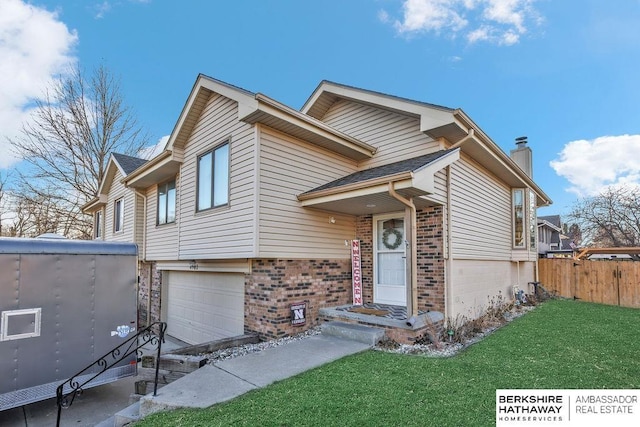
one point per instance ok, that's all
(385, 238)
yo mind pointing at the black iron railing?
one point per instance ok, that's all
(152, 334)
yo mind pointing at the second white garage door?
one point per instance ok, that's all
(203, 307)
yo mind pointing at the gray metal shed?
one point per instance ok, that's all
(63, 304)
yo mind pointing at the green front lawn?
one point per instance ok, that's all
(561, 344)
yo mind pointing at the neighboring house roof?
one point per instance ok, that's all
(128, 163)
(553, 219)
(545, 223)
(409, 165)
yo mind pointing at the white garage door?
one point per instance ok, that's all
(204, 307)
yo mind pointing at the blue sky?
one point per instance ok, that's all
(563, 73)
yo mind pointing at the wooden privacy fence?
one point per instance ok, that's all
(606, 282)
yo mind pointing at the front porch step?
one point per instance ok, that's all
(359, 333)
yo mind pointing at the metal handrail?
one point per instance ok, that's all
(152, 334)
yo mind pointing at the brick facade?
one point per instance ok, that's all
(430, 257)
(149, 275)
(429, 227)
(275, 284)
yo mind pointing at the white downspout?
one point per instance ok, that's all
(448, 292)
(144, 252)
(412, 301)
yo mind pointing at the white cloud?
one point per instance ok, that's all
(429, 15)
(501, 22)
(592, 165)
(149, 153)
(35, 48)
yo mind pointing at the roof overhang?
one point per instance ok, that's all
(372, 196)
(285, 119)
(431, 116)
(164, 166)
(463, 132)
(95, 204)
(437, 122)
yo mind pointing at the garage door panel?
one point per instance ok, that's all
(205, 306)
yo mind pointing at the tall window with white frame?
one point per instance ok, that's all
(213, 178)
(118, 215)
(167, 202)
(533, 221)
(98, 225)
(518, 218)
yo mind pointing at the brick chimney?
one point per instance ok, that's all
(523, 156)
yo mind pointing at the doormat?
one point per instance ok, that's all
(372, 311)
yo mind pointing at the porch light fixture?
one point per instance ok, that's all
(332, 220)
(370, 205)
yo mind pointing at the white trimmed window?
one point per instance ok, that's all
(518, 218)
(533, 220)
(118, 215)
(213, 178)
(98, 225)
(167, 202)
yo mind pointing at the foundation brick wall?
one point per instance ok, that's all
(275, 284)
(429, 227)
(364, 233)
(149, 275)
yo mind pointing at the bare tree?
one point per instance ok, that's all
(75, 127)
(3, 203)
(610, 219)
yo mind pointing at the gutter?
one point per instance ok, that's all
(412, 293)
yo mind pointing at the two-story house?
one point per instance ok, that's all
(253, 208)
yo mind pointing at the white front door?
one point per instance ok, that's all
(390, 260)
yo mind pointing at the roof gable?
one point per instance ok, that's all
(431, 115)
(436, 121)
(118, 163)
(126, 163)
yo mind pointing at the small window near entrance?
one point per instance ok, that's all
(391, 237)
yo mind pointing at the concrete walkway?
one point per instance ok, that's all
(204, 387)
(227, 379)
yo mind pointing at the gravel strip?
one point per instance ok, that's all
(231, 352)
(446, 349)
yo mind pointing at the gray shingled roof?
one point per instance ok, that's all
(128, 163)
(408, 165)
(553, 219)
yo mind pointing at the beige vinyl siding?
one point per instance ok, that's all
(289, 167)
(117, 191)
(480, 213)
(227, 231)
(161, 240)
(139, 223)
(476, 283)
(396, 136)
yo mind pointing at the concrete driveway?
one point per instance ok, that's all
(94, 406)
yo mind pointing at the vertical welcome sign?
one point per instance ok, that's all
(356, 272)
